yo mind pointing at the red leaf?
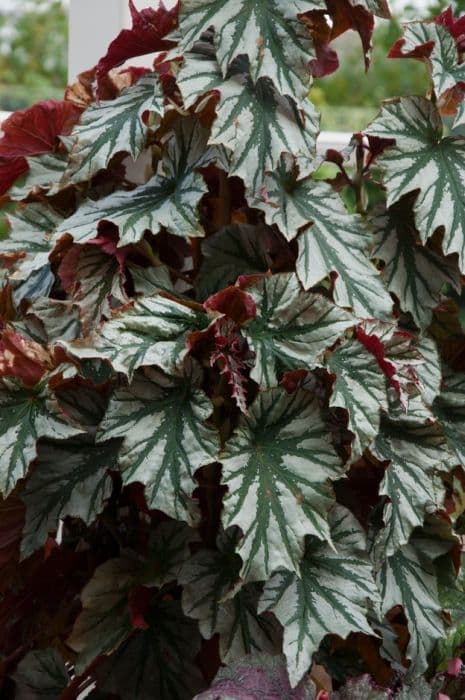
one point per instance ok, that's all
(373, 344)
(10, 170)
(33, 131)
(149, 29)
(21, 358)
(456, 26)
(292, 380)
(234, 303)
(421, 51)
(139, 602)
(234, 358)
(326, 61)
(344, 17)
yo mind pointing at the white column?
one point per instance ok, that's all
(93, 24)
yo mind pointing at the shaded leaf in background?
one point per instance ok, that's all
(69, 478)
(41, 675)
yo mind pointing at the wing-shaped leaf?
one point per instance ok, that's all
(157, 662)
(335, 241)
(408, 579)
(413, 272)
(96, 284)
(208, 579)
(106, 617)
(277, 44)
(257, 677)
(377, 7)
(147, 35)
(449, 408)
(169, 199)
(26, 414)
(44, 174)
(41, 675)
(258, 125)
(30, 229)
(277, 467)
(166, 439)
(168, 551)
(423, 160)
(436, 45)
(105, 620)
(415, 451)
(149, 281)
(254, 122)
(429, 371)
(360, 388)
(69, 478)
(235, 250)
(292, 328)
(328, 594)
(112, 126)
(153, 331)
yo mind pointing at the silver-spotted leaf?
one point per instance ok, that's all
(413, 272)
(292, 328)
(449, 409)
(30, 231)
(360, 388)
(168, 199)
(436, 45)
(407, 578)
(416, 452)
(26, 415)
(268, 32)
(209, 579)
(235, 250)
(277, 467)
(425, 161)
(429, 371)
(333, 241)
(69, 478)
(328, 594)
(258, 125)
(153, 331)
(166, 438)
(44, 174)
(98, 286)
(113, 126)
(149, 281)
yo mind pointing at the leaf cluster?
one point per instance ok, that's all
(232, 406)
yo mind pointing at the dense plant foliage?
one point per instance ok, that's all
(232, 400)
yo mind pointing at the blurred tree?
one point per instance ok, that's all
(33, 52)
(385, 78)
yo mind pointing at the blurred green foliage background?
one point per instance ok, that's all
(33, 52)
